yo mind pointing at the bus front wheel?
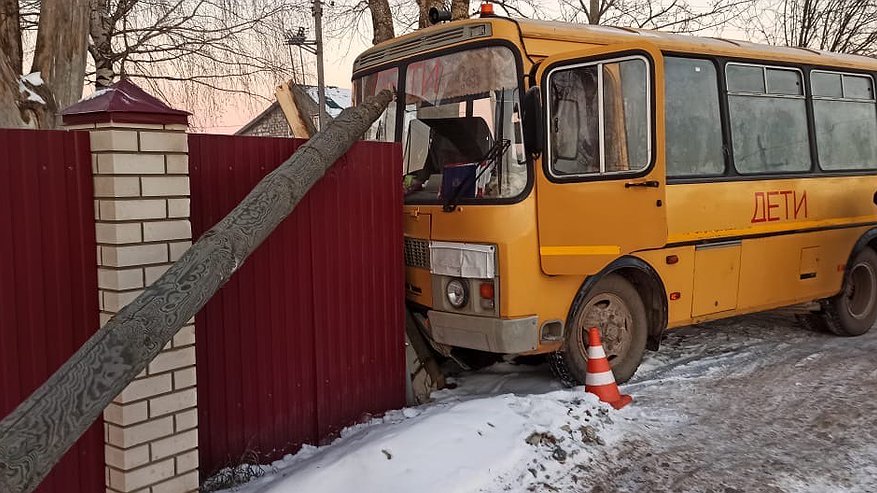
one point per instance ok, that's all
(615, 307)
(854, 310)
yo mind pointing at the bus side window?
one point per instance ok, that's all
(575, 139)
(625, 115)
(613, 93)
(768, 119)
(845, 114)
(693, 122)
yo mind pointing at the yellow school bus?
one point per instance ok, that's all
(562, 176)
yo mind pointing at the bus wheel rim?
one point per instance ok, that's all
(862, 290)
(609, 313)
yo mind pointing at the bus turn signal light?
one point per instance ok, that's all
(486, 290)
(675, 295)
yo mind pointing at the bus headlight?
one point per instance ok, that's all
(457, 293)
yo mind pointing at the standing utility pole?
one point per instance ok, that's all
(321, 84)
(297, 37)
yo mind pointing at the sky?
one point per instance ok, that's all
(340, 54)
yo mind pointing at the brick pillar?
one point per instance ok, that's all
(141, 186)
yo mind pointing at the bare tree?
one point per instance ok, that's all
(847, 26)
(459, 9)
(667, 15)
(211, 42)
(382, 20)
(196, 52)
(188, 51)
(59, 57)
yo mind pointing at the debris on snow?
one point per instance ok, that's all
(559, 454)
(537, 439)
(589, 435)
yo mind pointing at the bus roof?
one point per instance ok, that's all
(603, 35)
(541, 38)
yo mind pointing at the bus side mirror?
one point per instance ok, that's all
(533, 121)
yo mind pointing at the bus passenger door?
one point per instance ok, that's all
(600, 193)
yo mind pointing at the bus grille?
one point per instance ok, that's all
(416, 253)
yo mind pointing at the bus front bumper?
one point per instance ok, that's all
(496, 335)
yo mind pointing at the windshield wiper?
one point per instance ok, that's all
(492, 158)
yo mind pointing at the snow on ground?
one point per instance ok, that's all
(747, 404)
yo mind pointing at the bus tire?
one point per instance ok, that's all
(854, 310)
(616, 308)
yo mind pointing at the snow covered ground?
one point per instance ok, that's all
(749, 404)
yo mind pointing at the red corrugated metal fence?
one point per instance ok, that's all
(308, 336)
(48, 278)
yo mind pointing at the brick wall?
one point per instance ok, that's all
(270, 124)
(141, 186)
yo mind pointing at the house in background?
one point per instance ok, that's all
(294, 113)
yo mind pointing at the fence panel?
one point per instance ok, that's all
(308, 336)
(48, 278)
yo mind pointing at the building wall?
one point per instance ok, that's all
(271, 124)
(141, 193)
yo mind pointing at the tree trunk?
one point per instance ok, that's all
(62, 41)
(10, 33)
(10, 97)
(595, 12)
(459, 9)
(10, 64)
(424, 6)
(100, 27)
(382, 20)
(38, 432)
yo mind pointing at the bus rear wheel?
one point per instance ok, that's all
(614, 306)
(854, 310)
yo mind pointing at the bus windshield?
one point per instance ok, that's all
(461, 132)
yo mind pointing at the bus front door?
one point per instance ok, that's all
(600, 192)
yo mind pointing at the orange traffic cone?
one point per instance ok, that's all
(599, 380)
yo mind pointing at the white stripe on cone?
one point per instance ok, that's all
(596, 352)
(604, 378)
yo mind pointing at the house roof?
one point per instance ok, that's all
(337, 99)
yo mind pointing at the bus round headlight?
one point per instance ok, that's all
(457, 293)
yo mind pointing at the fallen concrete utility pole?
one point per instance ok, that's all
(35, 436)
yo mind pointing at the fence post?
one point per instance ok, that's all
(140, 164)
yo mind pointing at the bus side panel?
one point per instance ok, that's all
(735, 209)
(794, 268)
(678, 277)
